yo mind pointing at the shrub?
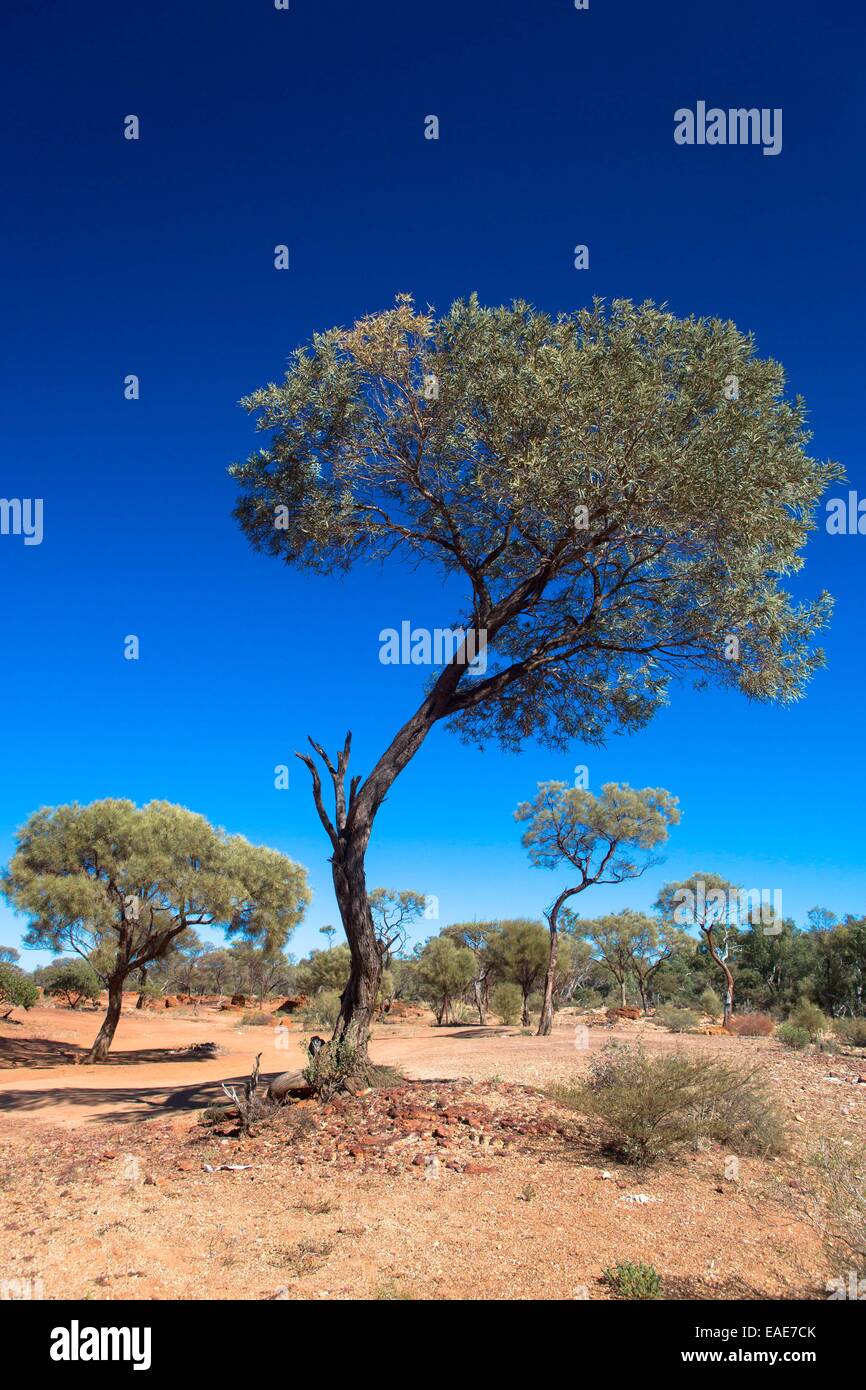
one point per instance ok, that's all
(792, 1035)
(751, 1026)
(808, 1016)
(507, 1002)
(851, 1031)
(17, 990)
(676, 1020)
(711, 1004)
(322, 1011)
(74, 980)
(635, 1281)
(651, 1108)
(256, 1020)
(834, 1184)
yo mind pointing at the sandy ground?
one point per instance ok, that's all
(107, 1194)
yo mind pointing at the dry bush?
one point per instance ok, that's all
(751, 1026)
(851, 1031)
(676, 1020)
(833, 1185)
(654, 1107)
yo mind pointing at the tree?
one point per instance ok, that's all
(520, 953)
(574, 962)
(324, 970)
(476, 936)
(17, 990)
(651, 946)
(615, 937)
(711, 904)
(445, 969)
(118, 885)
(597, 836)
(614, 517)
(9, 955)
(393, 913)
(73, 980)
(329, 933)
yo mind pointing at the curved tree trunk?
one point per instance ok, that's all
(105, 1036)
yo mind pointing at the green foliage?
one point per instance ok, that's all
(851, 1031)
(710, 1003)
(521, 950)
(634, 1281)
(810, 1018)
(110, 878)
(507, 1002)
(324, 970)
(17, 990)
(655, 1107)
(444, 971)
(573, 470)
(73, 980)
(322, 1011)
(793, 1035)
(677, 1020)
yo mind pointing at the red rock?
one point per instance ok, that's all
(474, 1168)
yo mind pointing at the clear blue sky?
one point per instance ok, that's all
(261, 127)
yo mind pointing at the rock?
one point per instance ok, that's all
(473, 1168)
(239, 1000)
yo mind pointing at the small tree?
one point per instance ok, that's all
(329, 933)
(476, 936)
(117, 885)
(599, 837)
(393, 912)
(615, 520)
(651, 947)
(17, 990)
(521, 952)
(72, 980)
(710, 904)
(614, 937)
(445, 970)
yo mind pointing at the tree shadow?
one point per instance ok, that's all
(483, 1031)
(129, 1104)
(48, 1052)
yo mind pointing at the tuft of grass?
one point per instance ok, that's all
(634, 1280)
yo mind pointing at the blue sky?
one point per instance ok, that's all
(155, 257)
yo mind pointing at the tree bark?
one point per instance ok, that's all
(622, 993)
(545, 1023)
(103, 1040)
(729, 979)
(480, 999)
(358, 1000)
